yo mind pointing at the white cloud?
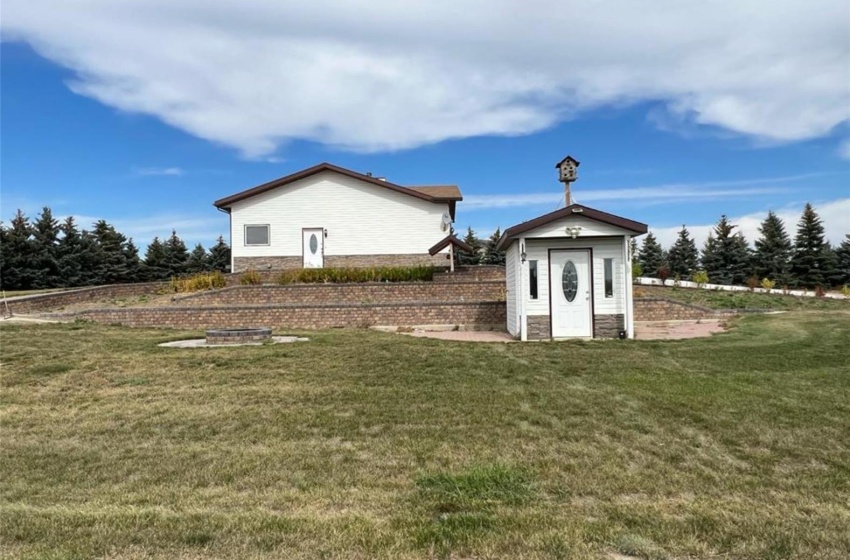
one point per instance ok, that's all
(834, 214)
(640, 196)
(379, 75)
(158, 171)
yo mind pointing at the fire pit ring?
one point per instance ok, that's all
(238, 335)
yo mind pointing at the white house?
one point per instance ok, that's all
(328, 216)
(569, 272)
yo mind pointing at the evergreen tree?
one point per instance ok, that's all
(176, 255)
(135, 272)
(810, 260)
(842, 261)
(198, 260)
(726, 255)
(831, 273)
(474, 258)
(772, 257)
(45, 244)
(219, 257)
(70, 253)
(18, 251)
(651, 256)
(111, 253)
(683, 256)
(491, 254)
(155, 268)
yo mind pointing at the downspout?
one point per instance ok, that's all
(523, 264)
(630, 309)
(230, 234)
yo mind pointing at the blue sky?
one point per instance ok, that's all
(132, 142)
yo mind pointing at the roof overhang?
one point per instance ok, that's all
(450, 239)
(443, 194)
(631, 226)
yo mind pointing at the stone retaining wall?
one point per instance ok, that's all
(354, 293)
(486, 314)
(55, 300)
(472, 274)
(241, 264)
(661, 309)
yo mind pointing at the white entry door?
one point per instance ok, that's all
(570, 293)
(313, 247)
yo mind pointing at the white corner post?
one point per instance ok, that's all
(630, 305)
(451, 257)
(521, 291)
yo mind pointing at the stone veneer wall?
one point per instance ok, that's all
(355, 293)
(538, 327)
(608, 326)
(487, 314)
(241, 264)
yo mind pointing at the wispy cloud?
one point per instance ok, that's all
(158, 171)
(648, 195)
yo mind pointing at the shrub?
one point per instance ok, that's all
(753, 282)
(845, 289)
(819, 291)
(700, 277)
(250, 278)
(357, 275)
(663, 273)
(767, 284)
(198, 282)
(637, 270)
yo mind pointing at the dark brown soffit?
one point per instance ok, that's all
(453, 240)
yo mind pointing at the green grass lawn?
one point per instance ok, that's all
(717, 299)
(361, 445)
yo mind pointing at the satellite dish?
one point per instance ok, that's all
(446, 222)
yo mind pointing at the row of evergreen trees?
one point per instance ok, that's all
(48, 254)
(808, 261)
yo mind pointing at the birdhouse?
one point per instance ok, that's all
(567, 169)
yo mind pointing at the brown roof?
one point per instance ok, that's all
(584, 211)
(443, 195)
(450, 239)
(443, 192)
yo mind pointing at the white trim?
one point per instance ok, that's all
(627, 278)
(523, 269)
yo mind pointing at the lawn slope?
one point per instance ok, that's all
(369, 445)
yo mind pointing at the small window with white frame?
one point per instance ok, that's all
(257, 234)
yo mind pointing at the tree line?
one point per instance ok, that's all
(807, 261)
(47, 253)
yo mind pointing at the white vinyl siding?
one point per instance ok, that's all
(512, 266)
(605, 248)
(588, 227)
(360, 218)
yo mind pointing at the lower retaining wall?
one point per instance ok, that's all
(362, 293)
(490, 314)
(42, 302)
(661, 309)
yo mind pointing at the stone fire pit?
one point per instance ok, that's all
(238, 335)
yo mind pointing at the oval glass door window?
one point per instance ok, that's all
(569, 281)
(314, 244)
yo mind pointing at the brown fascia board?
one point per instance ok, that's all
(572, 210)
(453, 240)
(227, 201)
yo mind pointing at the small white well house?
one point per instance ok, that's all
(569, 274)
